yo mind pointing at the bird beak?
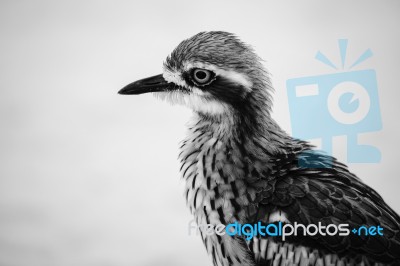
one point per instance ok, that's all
(151, 84)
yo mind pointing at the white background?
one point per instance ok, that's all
(89, 177)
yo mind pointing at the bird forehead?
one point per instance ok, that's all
(215, 47)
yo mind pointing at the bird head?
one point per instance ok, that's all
(213, 73)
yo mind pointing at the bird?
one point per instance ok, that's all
(239, 166)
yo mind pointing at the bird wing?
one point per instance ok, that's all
(330, 195)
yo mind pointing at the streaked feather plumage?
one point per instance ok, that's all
(238, 165)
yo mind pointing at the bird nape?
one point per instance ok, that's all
(240, 167)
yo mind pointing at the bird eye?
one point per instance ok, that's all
(202, 76)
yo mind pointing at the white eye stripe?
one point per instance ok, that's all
(229, 74)
(174, 77)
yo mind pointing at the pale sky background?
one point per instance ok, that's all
(89, 177)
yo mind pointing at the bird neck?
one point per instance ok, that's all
(256, 132)
(221, 151)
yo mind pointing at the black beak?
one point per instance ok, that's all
(151, 84)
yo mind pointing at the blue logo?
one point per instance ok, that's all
(344, 103)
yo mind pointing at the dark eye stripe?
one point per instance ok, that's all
(235, 95)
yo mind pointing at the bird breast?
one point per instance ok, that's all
(215, 192)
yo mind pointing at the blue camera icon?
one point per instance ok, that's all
(337, 104)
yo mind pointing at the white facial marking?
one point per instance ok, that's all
(174, 77)
(278, 216)
(229, 74)
(197, 99)
(196, 102)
